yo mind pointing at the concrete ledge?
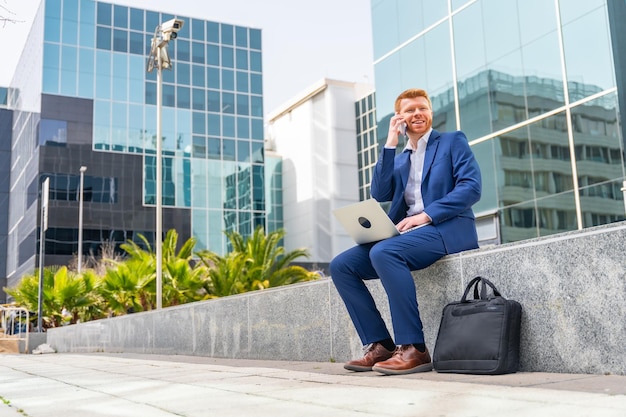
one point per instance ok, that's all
(572, 288)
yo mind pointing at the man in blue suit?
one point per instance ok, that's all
(434, 181)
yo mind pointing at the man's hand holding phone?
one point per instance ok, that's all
(397, 126)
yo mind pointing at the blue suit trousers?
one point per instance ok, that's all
(390, 260)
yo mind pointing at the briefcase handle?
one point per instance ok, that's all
(483, 289)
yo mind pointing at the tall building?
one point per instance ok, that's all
(314, 135)
(536, 91)
(81, 97)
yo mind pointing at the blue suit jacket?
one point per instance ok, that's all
(451, 184)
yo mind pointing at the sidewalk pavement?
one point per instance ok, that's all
(133, 385)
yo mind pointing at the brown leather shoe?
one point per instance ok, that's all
(374, 353)
(406, 360)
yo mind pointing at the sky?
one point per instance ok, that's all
(303, 41)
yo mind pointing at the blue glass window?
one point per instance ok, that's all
(182, 49)
(120, 16)
(257, 129)
(241, 34)
(198, 146)
(197, 52)
(104, 14)
(183, 97)
(213, 55)
(87, 35)
(228, 80)
(52, 31)
(87, 12)
(256, 84)
(255, 39)
(228, 149)
(198, 76)
(183, 73)
(70, 33)
(255, 61)
(228, 57)
(243, 127)
(228, 103)
(227, 34)
(228, 126)
(213, 77)
(257, 152)
(242, 104)
(197, 29)
(243, 151)
(136, 19)
(103, 36)
(52, 131)
(169, 95)
(242, 59)
(256, 106)
(136, 44)
(213, 32)
(152, 21)
(151, 93)
(120, 40)
(214, 148)
(198, 99)
(242, 82)
(169, 76)
(198, 122)
(213, 101)
(213, 124)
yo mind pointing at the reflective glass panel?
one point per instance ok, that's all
(255, 61)
(242, 58)
(599, 160)
(243, 127)
(103, 37)
(412, 16)
(87, 35)
(228, 57)
(227, 34)
(104, 14)
(255, 39)
(589, 69)
(136, 19)
(198, 78)
(120, 16)
(228, 126)
(241, 35)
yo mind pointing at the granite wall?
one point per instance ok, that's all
(572, 288)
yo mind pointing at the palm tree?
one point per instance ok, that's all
(182, 282)
(127, 287)
(264, 264)
(62, 290)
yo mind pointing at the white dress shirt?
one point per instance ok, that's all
(413, 190)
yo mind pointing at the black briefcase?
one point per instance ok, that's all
(479, 336)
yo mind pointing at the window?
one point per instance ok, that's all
(52, 132)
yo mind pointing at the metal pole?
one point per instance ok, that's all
(45, 186)
(624, 192)
(159, 187)
(80, 219)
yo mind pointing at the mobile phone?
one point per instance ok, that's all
(403, 129)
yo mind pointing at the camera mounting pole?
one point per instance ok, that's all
(160, 60)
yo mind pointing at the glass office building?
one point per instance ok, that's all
(536, 86)
(82, 96)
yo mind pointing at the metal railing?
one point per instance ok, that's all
(15, 325)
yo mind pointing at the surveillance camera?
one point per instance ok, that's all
(172, 26)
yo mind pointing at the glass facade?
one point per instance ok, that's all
(368, 145)
(540, 111)
(212, 118)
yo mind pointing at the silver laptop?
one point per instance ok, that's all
(366, 221)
